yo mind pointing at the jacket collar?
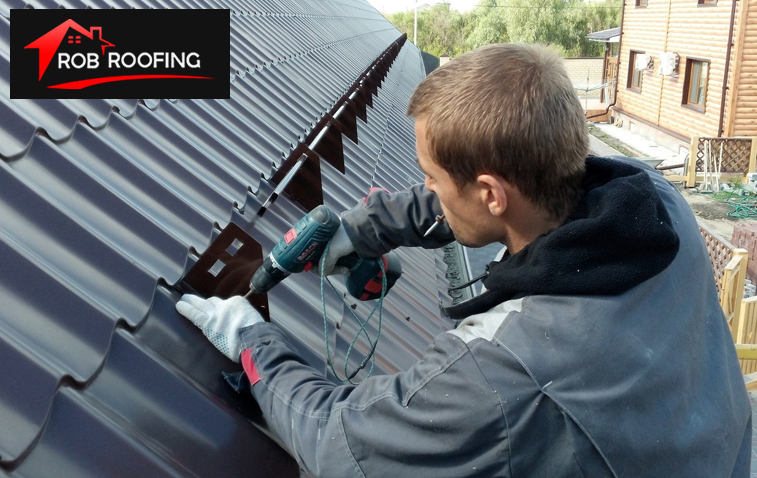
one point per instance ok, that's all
(619, 236)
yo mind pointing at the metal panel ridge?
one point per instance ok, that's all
(105, 204)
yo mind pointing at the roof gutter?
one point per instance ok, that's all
(727, 65)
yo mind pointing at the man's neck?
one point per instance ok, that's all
(524, 224)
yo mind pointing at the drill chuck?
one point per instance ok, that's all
(267, 276)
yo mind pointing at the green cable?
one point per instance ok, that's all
(371, 356)
(742, 206)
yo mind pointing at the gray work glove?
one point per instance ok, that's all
(340, 245)
(220, 320)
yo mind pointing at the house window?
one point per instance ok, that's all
(643, 3)
(706, 2)
(635, 74)
(695, 83)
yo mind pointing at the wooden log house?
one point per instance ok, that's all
(688, 68)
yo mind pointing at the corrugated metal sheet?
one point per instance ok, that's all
(106, 204)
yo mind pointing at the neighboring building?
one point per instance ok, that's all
(687, 68)
(611, 39)
(430, 62)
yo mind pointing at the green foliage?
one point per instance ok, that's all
(562, 24)
(489, 26)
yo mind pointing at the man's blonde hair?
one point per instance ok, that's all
(510, 110)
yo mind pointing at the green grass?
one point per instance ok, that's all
(614, 142)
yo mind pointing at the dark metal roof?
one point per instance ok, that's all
(609, 35)
(106, 204)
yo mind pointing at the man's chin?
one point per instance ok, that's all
(469, 243)
(465, 242)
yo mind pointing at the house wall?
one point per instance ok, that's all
(586, 76)
(579, 69)
(692, 31)
(741, 113)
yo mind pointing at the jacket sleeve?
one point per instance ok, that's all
(440, 418)
(383, 221)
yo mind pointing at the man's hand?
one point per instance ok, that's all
(220, 320)
(339, 246)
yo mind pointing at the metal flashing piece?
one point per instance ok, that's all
(348, 120)
(330, 147)
(226, 267)
(299, 178)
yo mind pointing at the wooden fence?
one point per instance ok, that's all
(729, 265)
(709, 157)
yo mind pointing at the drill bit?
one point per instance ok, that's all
(439, 219)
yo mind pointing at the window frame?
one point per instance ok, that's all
(701, 82)
(633, 73)
(644, 3)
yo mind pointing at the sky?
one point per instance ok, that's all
(392, 6)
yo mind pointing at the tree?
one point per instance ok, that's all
(439, 29)
(562, 24)
(489, 25)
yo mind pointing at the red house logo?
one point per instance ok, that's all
(58, 53)
(48, 43)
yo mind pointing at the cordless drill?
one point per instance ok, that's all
(301, 248)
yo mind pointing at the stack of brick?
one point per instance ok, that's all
(745, 237)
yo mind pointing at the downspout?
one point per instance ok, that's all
(620, 49)
(727, 66)
(662, 78)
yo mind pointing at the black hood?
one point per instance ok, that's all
(619, 236)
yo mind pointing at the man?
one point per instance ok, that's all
(598, 348)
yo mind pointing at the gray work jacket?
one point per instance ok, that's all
(644, 383)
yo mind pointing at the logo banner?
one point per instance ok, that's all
(120, 53)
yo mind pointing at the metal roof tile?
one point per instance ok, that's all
(250, 138)
(71, 252)
(99, 224)
(23, 406)
(81, 427)
(92, 204)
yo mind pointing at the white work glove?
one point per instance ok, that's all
(339, 246)
(220, 320)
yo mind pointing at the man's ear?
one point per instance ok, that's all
(492, 193)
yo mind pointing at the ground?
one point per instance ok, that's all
(712, 212)
(613, 142)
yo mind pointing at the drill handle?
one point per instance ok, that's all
(364, 281)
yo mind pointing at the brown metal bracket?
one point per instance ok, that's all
(360, 106)
(330, 147)
(303, 186)
(300, 174)
(226, 267)
(369, 89)
(348, 121)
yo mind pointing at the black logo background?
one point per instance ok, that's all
(205, 32)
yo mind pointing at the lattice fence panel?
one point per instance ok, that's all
(720, 252)
(735, 154)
